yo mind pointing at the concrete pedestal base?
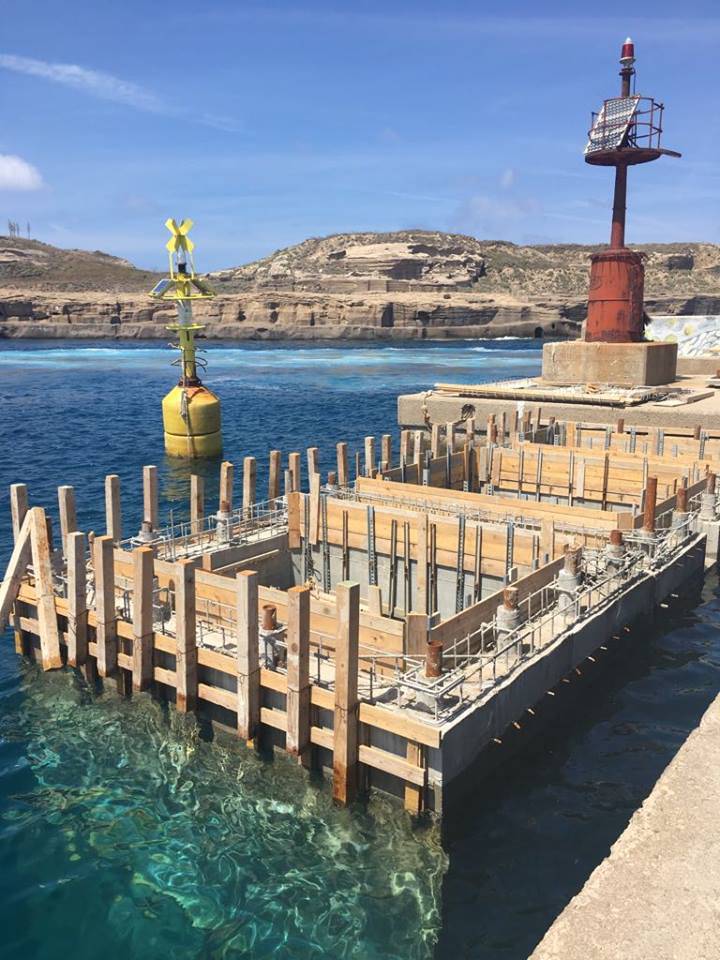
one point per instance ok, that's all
(623, 364)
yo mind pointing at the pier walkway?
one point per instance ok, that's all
(657, 895)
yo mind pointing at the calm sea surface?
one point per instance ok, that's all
(125, 833)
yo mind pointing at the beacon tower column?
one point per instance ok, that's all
(191, 412)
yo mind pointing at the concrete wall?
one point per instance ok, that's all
(471, 732)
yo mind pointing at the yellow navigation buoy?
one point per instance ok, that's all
(191, 412)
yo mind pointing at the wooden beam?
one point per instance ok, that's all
(342, 464)
(375, 599)
(77, 620)
(416, 634)
(227, 475)
(414, 793)
(294, 520)
(248, 665)
(274, 474)
(297, 741)
(16, 570)
(197, 503)
(313, 461)
(386, 451)
(113, 513)
(150, 498)
(68, 514)
(142, 620)
(421, 584)
(435, 441)
(450, 436)
(417, 447)
(249, 485)
(370, 465)
(42, 569)
(186, 656)
(345, 733)
(106, 626)
(315, 481)
(294, 466)
(18, 506)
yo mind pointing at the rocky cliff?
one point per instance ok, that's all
(412, 284)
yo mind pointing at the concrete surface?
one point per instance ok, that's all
(625, 364)
(421, 410)
(657, 895)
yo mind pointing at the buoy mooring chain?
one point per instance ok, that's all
(191, 412)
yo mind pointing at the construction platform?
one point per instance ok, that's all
(388, 625)
(688, 403)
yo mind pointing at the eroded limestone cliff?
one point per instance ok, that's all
(407, 285)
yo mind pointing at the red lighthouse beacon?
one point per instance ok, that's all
(626, 131)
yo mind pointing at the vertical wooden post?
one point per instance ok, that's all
(416, 634)
(106, 629)
(375, 599)
(470, 430)
(68, 514)
(249, 485)
(227, 475)
(386, 451)
(369, 456)
(294, 466)
(77, 619)
(345, 734)
(342, 464)
(414, 793)
(113, 514)
(297, 742)
(16, 571)
(18, 506)
(248, 665)
(142, 621)
(42, 568)
(150, 498)
(547, 537)
(405, 444)
(274, 474)
(186, 660)
(18, 509)
(450, 436)
(197, 503)
(650, 505)
(421, 585)
(417, 449)
(313, 461)
(294, 522)
(435, 441)
(315, 481)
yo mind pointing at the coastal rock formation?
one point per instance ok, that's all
(406, 285)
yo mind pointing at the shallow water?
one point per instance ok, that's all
(125, 832)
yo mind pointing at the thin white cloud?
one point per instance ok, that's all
(18, 174)
(105, 86)
(508, 178)
(94, 82)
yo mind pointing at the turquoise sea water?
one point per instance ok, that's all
(128, 831)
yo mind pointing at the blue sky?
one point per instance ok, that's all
(271, 122)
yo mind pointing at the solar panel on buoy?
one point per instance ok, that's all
(612, 124)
